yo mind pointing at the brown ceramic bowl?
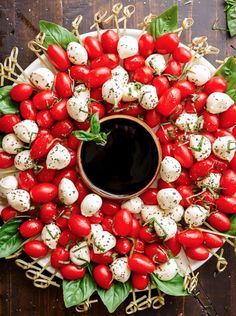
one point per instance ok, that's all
(127, 165)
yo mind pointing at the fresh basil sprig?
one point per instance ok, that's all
(95, 133)
(232, 230)
(230, 9)
(7, 106)
(173, 287)
(166, 22)
(10, 238)
(56, 34)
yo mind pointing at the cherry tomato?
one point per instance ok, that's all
(66, 237)
(139, 246)
(62, 128)
(146, 45)
(198, 253)
(218, 164)
(161, 83)
(48, 212)
(183, 179)
(134, 62)
(215, 84)
(143, 74)
(131, 108)
(8, 213)
(167, 149)
(166, 133)
(109, 40)
(98, 76)
(186, 193)
(190, 237)
(152, 118)
(63, 85)
(96, 94)
(44, 119)
(72, 272)
(212, 240)
(219, 221)
(200, 169)
(103, 276)
(169, 101)
(140, 264)
(211, 121)
(21, 92)
(44, 100)
(173, 68)
(93, 47)
(184, 156)
(196, 102)
(232, 163)
(97, 107)
(173, 245)
(157, 253)
(6, 160)
(27, 179)
(27, 110)
(107, 224)
(109, 207)
(59, 110)
(68, 173)
(58, 57)
(135, 228)
(79, 225)
(228, 182)
(7, 122)
(35, 249)
(102, 258)
(139, 281)
(226, 204)
(45, 174)
(43, 192)
(59, 255)
(122, 222)
(148, 234)
(31, 228)
(97, 218)
(182, 55)
(149, 197)
(106, 60)
(79, 73)
(161, 184)
(206, 198)
(186, 87)
(41, 145)
(123, 246)
(73, 142)
(82, 189)
(228, 118)
(210, 136)
(167, 43)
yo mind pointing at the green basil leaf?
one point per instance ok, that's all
(7, 106)
(114, 296)
(10, 239)
(85, 136)
(228, 72)
(231, 19)
(232, 230)
(56, 34)
(166, 22)
(95, 124)
(75, 292)
(173, 287)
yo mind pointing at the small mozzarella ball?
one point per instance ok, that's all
(218, 102)
(58, 157)
(67, 192)
(12, 144)
(103, 241)
(112, 91)
(150, 211)
(19, 200)
(166, 271)
(134, 205)
(211, 181)
(91, 204)
(176, 213)
(42, 78)
(168, 198)
(79, 254)
(189, 122)
(50, 235)
(170, 169)
(156, 62)
(7, 184)
(127, 46)
(148, 97)
(82, 92)
(95, 229)
(165, 227)
(26, 130)
(23, 160)
(195, 215)
(120, 75)
(224, 147)
(77, 54)
(131, 92)
(77, 108)
(120, 269)
(200, 146)
(198, 74)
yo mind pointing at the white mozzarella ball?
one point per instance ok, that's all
(218, 102)
(149, 212)
(200, 146)
(26, 130)
(134, 205)
(91, 204)
(120, 269)
(77, 54)
(189, 122)
(148, 97)
(127, 46)
(170, 169)
(198, 74)
(195, 215)
(168, 198)
(50, 235)
(58, 157)
(224, 147)
(156, 62)
(82, 92)
(166, 271)
(23, 161)
(42, 78)
(67, 192)
(131, 91)
(165, 227)
(7, 184)
(176, 213)
(112, 91)
(95, 229)
(120, 75)
(211, 181)
(103, 241)
(12, 144)
(79, 254)
(77, 108)
(19, 200)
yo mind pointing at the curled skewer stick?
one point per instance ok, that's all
(147, 303)
(222, 263)
(146, 22)
(128, 11)
(158, 301)
(115, 12)
(15, 254)
(98, 19)
(85, 306)
(44, 282)
(26, 265)
(187, 23)
(15, 64)
(75, 27)
(132, 307)
(34, 273)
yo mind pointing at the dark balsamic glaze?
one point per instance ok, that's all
(126, 164)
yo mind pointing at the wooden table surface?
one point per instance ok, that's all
(18, 24)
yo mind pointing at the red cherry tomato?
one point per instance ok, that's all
(169, 101)
(44, 119)
(167, 43)
(109, 40)
(182, 55)
(107, 224)
(184, 156)
(7, 122)
(211, 121)
(58, 57)
(212, 240)
(122, 222)
(161, 184)
(135, 228)
(62, 128)
(140, 264)
(173, 68)
(196, 102)
(96, 218)
(200, 169)
(167, 149)
(27, 179)
(98, 76)
(35, 249)
(134, 62)
(63, 85)
(166, 133)
(228, 118)
(218, 164)
(43, 192)
(72, 272)
(123, 246)
(173, 245)
(157, 253)
(232, 163)
(93, 47)
(41, 146)
(219, 221)
(21, 92)
(8, 213)
(183, 179)
(45, 174)
(186, 193)
(79, 225)
(149, 197)
(31, 228)
(226, 204)
(143, 74)
(102, 258)
(106, 60)
(109, 207)
(152, 118)
(215, 84)
(103, 276)
(161, 83)
(146, 45)
(44, 100)
(27, 110)
(59, 110)
(82, 189)
(186, 87)
(139, 281)
(79, 72)
(197, 253)
(131, 108)
(228, 182)
(97, 107)
(206, 198)
(68, 173)
(65, 237)
(147, 234)
(48, 212)
(190, 237)
(59, 255)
